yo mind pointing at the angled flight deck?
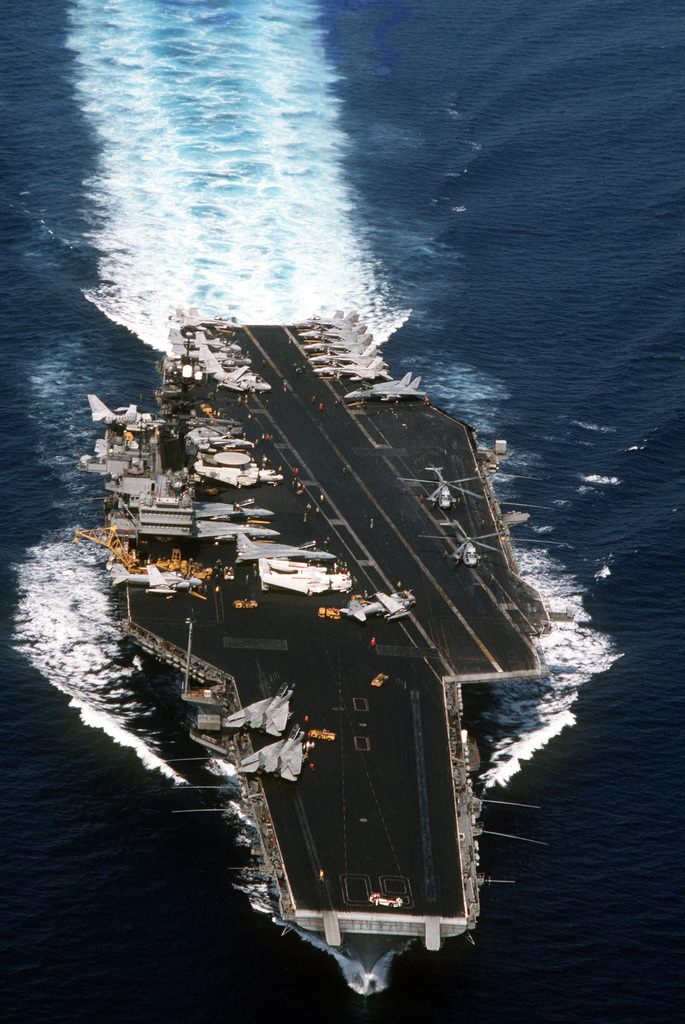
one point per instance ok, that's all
(372, 837)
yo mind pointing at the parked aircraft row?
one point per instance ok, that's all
(344, 347)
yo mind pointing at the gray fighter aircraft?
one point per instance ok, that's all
(358, 335)
(388, 392)
(339, 320)
(392, 606)
(248, 551)
(346, 355)
(270, 715)
(283, 758)
(211, 528)
(238, 379)
(340, 343)
(362, 370)
(227, 510)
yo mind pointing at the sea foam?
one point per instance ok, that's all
(220, 180)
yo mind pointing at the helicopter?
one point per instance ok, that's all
(468, 548)
(443, 496)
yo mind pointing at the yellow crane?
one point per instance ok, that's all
(110, 539)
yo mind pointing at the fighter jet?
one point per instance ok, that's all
(283, 758)
(154, 579)
(182, 339)
(248, 551)
(338, 320)
(222, 510)
(362, 370)
(208, 529)
(238, 379)
(270, 715)
(359, 334)
(340, 346)
(345, 355)
(242, 379)
(388, 392)
(123, 417)
(391, 606)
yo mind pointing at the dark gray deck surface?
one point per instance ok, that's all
(374, 810)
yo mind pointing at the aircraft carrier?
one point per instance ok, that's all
(319, 550)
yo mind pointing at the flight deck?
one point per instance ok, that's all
(374, 837)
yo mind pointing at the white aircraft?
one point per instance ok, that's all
(249, 551)
(283, 758)
(270, 715)
(204, 438)
(390, 391)
(154, 579)
(392, 606)
(123, 417)
(240, 473)
(301, 577)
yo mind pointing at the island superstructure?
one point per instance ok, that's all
(319, 550)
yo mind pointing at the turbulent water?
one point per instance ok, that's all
(498, 187)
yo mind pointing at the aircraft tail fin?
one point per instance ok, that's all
(98, 409)
(155, 576)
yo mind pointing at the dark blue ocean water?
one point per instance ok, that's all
(512, 174)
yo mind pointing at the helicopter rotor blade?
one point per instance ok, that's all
(488, 546)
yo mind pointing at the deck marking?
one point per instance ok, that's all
(381, 511)
(248, 643)
(402, 651)
(422, 786)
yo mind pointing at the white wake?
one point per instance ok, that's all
(220, 176)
